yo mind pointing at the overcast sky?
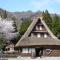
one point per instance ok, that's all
(53, 6)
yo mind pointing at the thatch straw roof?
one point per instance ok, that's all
(30, 41)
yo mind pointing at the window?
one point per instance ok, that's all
(40, 27)
(7, 49)
(30, 50)
(38, 35)
(25, 50)
(45, 35)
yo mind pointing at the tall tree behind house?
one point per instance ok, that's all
(47, 18)
(25, 24)
(56, 25)
(52, 22)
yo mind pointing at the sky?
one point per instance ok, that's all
(53, 6)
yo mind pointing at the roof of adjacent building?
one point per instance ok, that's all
(32, 41)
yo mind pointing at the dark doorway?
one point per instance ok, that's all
(39, 52)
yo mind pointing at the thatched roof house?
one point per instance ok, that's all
(9, 48)
(38, 37)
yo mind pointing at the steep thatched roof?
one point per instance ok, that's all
(33, 41)
(28, 41)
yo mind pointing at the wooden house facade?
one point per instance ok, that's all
(9, 48)
(38, 40)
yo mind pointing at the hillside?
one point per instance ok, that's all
(20, 15)
(23, 14)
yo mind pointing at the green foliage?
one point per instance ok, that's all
(56, 25)
(0, 14)
(14, 25)
(4, 16)
(14, 18)
(47, 18)
(2, 42)
(17, 37)
(52, 22)
(25, 24)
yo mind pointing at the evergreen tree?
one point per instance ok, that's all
(4, 16)
(56, 25)
(14, 18)
(25, 24)
(47, 18)
(2, 42)
(17, 35)
(14, 23)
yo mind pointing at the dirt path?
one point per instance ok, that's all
(28, 58)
